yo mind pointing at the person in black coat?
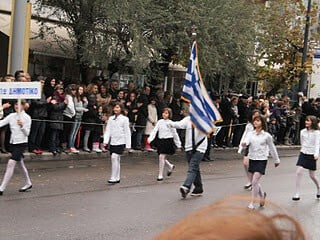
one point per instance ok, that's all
(38, 111)
(57, 104)
(91, 115)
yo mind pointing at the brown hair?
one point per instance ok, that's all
(263, 122)
(169, 111)
(227, 219)
(314, 122)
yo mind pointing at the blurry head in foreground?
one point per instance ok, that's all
(227, 219)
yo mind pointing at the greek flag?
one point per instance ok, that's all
(203, 112)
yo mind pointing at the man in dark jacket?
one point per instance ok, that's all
(38, 111)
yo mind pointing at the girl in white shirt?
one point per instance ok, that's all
(245, 151)
(118, 136)
(20, 124)
(309, 154)
(260, 144)
(168, 141)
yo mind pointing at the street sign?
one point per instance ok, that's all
(20, 90)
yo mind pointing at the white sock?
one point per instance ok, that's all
(25, 174)
(161, 165)
(118, 168)
(298, 180)
(170, 165)
(8, 174)
(113, 167)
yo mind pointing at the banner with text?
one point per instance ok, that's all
(23, 90)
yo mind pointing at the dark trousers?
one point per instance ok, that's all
(54, 139)
(36, 134)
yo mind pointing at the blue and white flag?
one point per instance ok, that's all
(203, 112)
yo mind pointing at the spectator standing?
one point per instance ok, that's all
(68, 115)
(80, 105)
(114, 90)
(49, 86)
(91, 115)
(39, 114)
(103, 97)
(56, 107)
(151, 122)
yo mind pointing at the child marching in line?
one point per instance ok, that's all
(309, 154)
(118, 136)
(20, 124)
(249, 128)
(260, 143)
(168, 140)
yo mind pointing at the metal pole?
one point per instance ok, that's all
(18, 36)
(304, 76)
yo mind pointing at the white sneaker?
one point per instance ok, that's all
(73, 150)
(251, 206)
(98, 150)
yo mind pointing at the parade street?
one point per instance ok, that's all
(71, 200)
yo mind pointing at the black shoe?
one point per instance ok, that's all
(197, 192)
(207, 160)
(263, 199)
(113, 182)
(159, 179)
(4, 151)
(25, 189)
(1, 193)
(295, 198)
(318, 196)
(170, 172)
(248, 187)
(184, 191)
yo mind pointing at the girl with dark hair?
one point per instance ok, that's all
(80, 104)
(309, 154)
(245, 151)
(168, 139)
(118, 136)
(260, 144)
(68, 116)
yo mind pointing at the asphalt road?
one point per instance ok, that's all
(71, 200)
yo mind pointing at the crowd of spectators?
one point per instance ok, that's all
(74, 116)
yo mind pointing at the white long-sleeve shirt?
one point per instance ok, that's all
(18, 134)
(260, 145)
(185, 123)
(310, 141)
(70, 110)
(118, 131)
(165, 131)
(249, 128)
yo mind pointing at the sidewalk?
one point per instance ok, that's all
(48, 156)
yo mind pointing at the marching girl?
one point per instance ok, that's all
(20, 124)
(244, 151)
(118, 136)
(260, 143)
(309, 154)
(168, 139)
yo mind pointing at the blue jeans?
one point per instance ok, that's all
(140, 131)
(193, 174)
(73, 133)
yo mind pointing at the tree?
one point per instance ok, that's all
(280, 36)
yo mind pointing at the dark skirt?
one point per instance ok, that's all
(307, 161)
(166, 146)
(118, 149)
(257, 166)
(17, 151)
